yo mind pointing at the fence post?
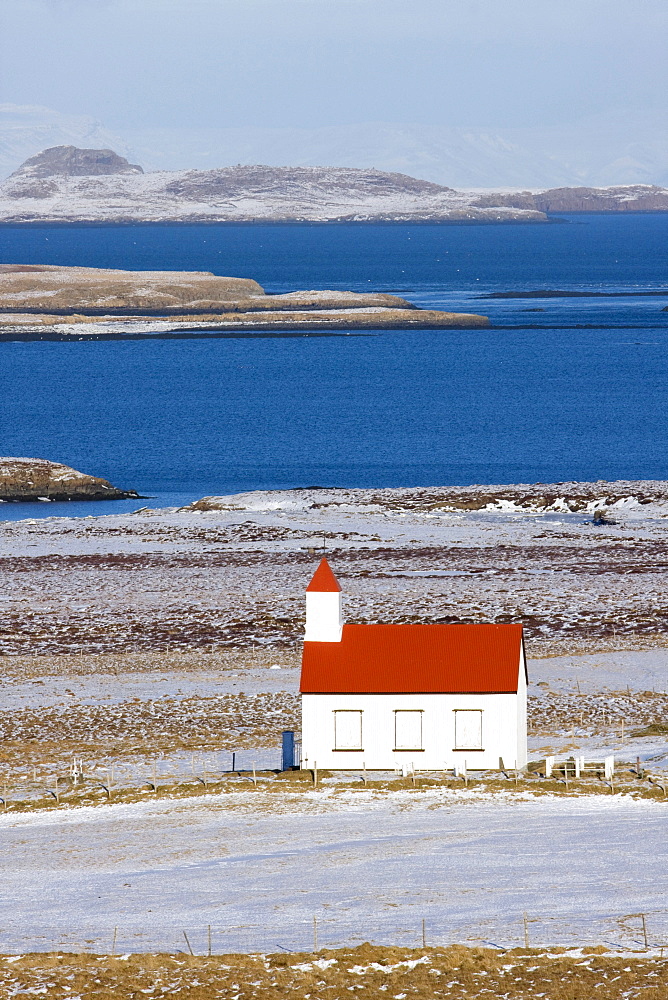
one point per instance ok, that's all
(549, 766)
(288, 750)
(576, 761)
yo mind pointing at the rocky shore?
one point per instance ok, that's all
(26, 479)
(50, 302)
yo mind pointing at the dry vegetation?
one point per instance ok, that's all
(151, 727)
(48, 733)
(115, 720)
(367, 971)
(274, 791)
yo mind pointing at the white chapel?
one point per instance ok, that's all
(424, 697)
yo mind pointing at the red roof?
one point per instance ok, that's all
(420, 659)
(323, 580)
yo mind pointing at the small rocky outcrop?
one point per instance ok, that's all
(24, 479)
(70, 161)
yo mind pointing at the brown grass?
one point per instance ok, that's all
(457, 972)
(275, 790)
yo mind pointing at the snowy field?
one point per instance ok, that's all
(231, 572)
(170, 639)
(259, 868)
(144, 639)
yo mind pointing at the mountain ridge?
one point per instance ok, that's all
(627, 146)
(41, 191)
(68, 184)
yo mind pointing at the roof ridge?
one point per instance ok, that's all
(323, 580)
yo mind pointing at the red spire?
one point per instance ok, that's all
(324, 581)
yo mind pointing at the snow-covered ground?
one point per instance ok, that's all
(260, 867)
(152, 635)
(233, 571)
(159, 635)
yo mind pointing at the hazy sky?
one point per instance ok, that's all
(175, 63)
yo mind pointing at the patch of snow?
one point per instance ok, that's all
(371, 867)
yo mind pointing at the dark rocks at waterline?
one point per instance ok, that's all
(37, 479)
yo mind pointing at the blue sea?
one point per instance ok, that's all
(560, 388)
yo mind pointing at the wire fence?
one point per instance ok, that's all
(298, 934)
(51, 781)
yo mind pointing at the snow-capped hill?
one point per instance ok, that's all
(629, 146)
(259, 180)
(233, 194)
(70, 161)
(27, 128)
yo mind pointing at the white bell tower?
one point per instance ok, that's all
(323, 606)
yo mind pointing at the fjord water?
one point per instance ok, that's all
(559, 388)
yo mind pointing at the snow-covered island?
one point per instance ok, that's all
(68, 184)
(40, 302)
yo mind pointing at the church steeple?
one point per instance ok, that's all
(323, 606)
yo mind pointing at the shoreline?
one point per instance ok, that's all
(325, 223)
(558, 219)
(288, 330)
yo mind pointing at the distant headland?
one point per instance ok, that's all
(49, 302)
(66, 184)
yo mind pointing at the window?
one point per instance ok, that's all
(468, 729)
(347, 730)
(407, 730)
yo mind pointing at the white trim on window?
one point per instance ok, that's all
(347, 729)
(468, 729)
(408, 729)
